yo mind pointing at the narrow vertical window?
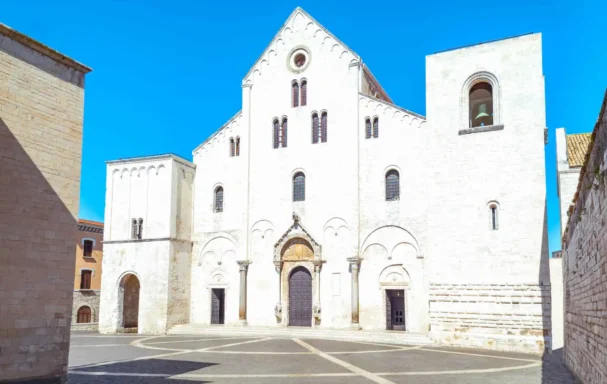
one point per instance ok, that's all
(140, 229)
(304, 93)
(85, 279)
(276, 128)
(87, 248)
(231, 146)
(237, 150)
(376, 128)
(283, 133)
(134, 229)
(494, 216)
(367, 128)
(323, 127)
(218, 205)
(299, 187)
(315, 128)
(295, 93)
(392, 185)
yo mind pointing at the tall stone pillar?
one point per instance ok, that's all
(317, 307)
(354, 267)
(278, 307)
(242, 308)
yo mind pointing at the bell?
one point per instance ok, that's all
(482, 112)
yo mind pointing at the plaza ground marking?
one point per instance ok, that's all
(261, 376)
(376, 351)
(477, 354)
(464, 371)
(99, 345)
(230, 345)
(193, 340)
(371, 376)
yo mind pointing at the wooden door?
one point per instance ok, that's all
(218, 306)
(300, 298)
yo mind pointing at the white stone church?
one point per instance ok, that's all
(321, 203)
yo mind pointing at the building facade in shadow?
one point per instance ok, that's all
(41, 119)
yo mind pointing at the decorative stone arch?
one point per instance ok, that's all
(396, 277)
(475, 78)
(207, 248)
(123, 284)
(404, 237)
(80, 306)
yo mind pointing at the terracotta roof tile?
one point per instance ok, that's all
(90, 222)
(577, 147)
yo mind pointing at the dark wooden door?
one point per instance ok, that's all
(218, 306)
(300, 298)
(395, 308)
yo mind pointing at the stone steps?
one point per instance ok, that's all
(388, 337)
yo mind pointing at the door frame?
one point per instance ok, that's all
(293, 267)
(407, 297)
(224, 305)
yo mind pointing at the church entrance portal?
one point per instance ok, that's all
(300, 298)
(130, 301)
(395, 309)
(218, 306)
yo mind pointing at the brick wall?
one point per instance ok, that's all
(41, 112)
(585, 265)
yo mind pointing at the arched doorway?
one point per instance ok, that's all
(130, 301)
(300, 297)
(84, 315)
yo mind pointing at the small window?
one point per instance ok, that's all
(315, 128)
(87, 248)
(493, 211)
(232, 146)
(323, 127)
(300, 60)
(85, 279)
(237, 151)
(134, 229)
(295, 94)
(375, 128)
(304, 93)
(276, 129)
(218, 206)
(367, 128)
(481, 105)
(283, 133)
(392, 185)
(84, 315)
(140, 229)
(299, 187)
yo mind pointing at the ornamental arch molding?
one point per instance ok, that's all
(475, 78)
(392, 238)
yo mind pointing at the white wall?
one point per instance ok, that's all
(567, 178)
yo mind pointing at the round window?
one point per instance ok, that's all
(300, 60)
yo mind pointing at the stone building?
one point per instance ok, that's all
(41, 117)
(87, 276)
(585, 263)
(323, 204)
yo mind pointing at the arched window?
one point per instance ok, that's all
(84, 315)
(276, 128)
(304, 93)
(392, 185)
(481, 105)
(231, 146)
(367, 128)
(493, 215)
(299, 187)
(237, 151)
(323, 127)
(134, 228)
(315, 128)
(140, 229)
(295, 93)
(375, 127)
(218, 204)
(283, 133)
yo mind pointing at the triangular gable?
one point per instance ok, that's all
(298, 18)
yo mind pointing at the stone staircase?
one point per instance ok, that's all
(387, 337)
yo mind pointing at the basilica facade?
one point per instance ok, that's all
(321, 203)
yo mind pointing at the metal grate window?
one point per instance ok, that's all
(315, 128)
(237, 151)
(494, 222)
(295, 93)
(304, 92)
(140, 229)
(299, 187)
(276, 127)
(133, 229)
(392, 186)
(218, 206)
(232, 146)
(283, 133)
(367, 128)
(323, 127)
(375, 128)
(87, 248)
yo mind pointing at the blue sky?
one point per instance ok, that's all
(167, 74)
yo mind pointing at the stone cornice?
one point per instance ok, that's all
(393, 106)
(146, 240)
(144, 159)
(43, 49)
(231, 120)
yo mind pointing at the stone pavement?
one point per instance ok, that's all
(98, 359)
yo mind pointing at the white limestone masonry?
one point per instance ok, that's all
(458, 280)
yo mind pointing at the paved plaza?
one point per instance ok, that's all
(100, 359)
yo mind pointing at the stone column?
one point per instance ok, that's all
(317, 308)
(278, 306)
(354, 266)
(242, 308)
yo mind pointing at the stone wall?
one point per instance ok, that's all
(90, 298)
(495, 316)
(41, 117)
(585, 265)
